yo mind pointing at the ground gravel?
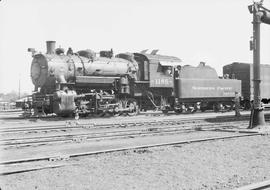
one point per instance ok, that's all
(222, 164)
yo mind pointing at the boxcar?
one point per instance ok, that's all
(244, 72)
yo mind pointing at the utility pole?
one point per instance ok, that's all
(19, 86)
(260, 14)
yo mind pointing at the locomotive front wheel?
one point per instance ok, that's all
(133, 108)
(165, 111)
(203, 109)
(99, 113)
(116, 114)
(178, 111)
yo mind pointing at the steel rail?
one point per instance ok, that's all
(32, 169)
(256, 186)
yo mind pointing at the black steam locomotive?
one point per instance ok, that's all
(85, 83)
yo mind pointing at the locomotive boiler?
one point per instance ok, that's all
(78, 80)
(87, 83)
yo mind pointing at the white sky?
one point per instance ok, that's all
(214, 31)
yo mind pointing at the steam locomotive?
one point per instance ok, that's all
(86, 83)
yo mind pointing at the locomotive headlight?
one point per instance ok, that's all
(39, 70)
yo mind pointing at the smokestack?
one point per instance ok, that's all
(50, 47)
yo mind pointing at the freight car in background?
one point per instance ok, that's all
(244, 72)
(126, 83)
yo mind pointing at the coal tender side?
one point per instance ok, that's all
(201, 88)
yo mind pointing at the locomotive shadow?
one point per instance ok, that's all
(59, 118)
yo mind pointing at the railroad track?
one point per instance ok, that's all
(141, 128)
(108, 150)
(73, 125)
(133, 122)
(129, 129)
(43, 140)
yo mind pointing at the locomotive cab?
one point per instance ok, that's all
(167, 70)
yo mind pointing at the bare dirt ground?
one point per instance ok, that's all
(222, 164)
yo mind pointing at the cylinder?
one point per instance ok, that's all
(50, 47)
(124, 85)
